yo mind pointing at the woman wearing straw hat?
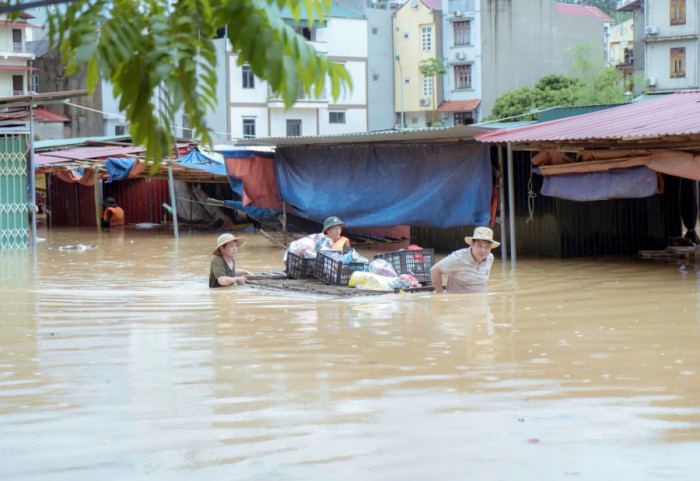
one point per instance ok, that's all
(467, 269)
(222, 271)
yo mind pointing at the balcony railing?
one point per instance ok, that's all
(14, 47)
(301, 96)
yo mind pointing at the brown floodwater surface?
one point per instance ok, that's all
(117, 362)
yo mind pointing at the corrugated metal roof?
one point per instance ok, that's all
(583, 11)
(53, 143)
(670, 115)
(441, 134)
(631, 6)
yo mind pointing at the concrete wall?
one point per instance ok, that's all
(408, 23)
(659, 45)
(380, 69)
(524, 41)
(461, 54)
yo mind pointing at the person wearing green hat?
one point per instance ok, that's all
(333, 227)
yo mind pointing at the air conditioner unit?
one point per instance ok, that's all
(424, 102)
(457, 13)
(652, 30)
(459, 56)
(651, 81)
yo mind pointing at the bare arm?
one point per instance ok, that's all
(436, 278)
(228, 280)
(243, 272)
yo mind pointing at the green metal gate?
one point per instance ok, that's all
(14, 228)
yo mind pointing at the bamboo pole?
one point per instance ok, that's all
(96, 192)
(502, 202)
(511, 205)
(173, 205)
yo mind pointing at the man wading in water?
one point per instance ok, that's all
(467, 269)
(222, 271)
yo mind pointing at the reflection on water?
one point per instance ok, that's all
(119, 362)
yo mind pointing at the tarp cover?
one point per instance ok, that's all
(630, 183)
(251, 175)
(198, 161)
(429, 185)
(122, 168)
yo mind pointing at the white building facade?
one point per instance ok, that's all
(16, 72)
(256, 112)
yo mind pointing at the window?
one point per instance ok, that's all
(461, 32)
(293, 127)
(375, 77)
(427, 86)
(17, 40)
(375, 31)
(248, 128)
(405, 36)
(118, 130)
(677, 12)
(463, 76)
(678, 62)
(35, 83)
(336, 117)
(304, 32)
(248, 78)
(186, 130)
(17, 85)
(463, 118)
(427, 38)
(629, 55)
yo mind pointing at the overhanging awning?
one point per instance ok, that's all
(19, 67)
(5, 23)
(459, 105)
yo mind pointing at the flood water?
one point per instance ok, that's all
(119, 363)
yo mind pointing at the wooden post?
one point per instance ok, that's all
(511, 206)
(96, 190)
(284, 216)
(502, 204)
(171, 184)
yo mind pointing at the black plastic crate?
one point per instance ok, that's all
(414, 262)
(300, 267)
(335, 272)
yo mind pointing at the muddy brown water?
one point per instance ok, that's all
(117, 362)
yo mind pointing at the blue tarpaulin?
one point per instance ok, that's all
(427, 185)
(198, 161)
(630, 183)
(119, 168)
(257, 212)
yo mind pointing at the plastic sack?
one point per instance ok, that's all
(382, 267)
(398, 283)
(323, 243)
(412, 281)
(371, 282)
(301, 246)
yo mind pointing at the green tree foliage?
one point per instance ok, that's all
(433, 67)
(589, 82)
(159, 56)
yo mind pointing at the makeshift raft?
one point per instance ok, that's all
(279, 281)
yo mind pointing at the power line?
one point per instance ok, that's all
(4, 8)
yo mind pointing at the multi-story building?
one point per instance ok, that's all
(666, 34)
(494, 46)
(417, 37)
(16, 70)
(256, 112)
